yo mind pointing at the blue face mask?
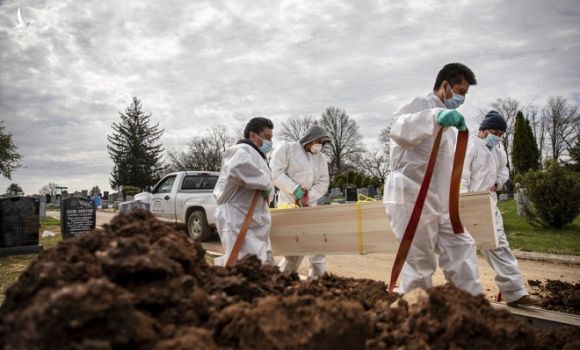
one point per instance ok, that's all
(491, 140)
(266, 146)
(455, 101)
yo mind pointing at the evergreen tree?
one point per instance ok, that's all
(574, 153)
(135, 149)
(14, 189)
(9, 158)
(525, 154)
(95, 190)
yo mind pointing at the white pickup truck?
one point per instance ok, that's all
(185, 198)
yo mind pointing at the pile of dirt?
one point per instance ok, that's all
(557, 295)
(138, 284)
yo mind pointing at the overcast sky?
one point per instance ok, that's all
(196, 64)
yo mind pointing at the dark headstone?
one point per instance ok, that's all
(106, 195)
(19, 225)
(372, 191)
(351, 195)
(77, 217)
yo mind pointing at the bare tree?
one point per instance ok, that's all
(294, 128)
(49, 188)
(385, 140)
(346, 147)
(375, 161)
(561, 124)
(204, 153)
(508, 107)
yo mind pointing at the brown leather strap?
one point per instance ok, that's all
(407, 239)
(460, 150)
(243, 230)
(411, 228)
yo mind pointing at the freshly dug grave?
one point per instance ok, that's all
(558, 295)
(138, 284)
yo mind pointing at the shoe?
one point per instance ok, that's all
(526, 300)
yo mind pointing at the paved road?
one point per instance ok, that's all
(377, 266)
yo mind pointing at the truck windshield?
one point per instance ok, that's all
(199, 182)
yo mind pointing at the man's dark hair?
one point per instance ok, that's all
(257, 125)
(454, 73)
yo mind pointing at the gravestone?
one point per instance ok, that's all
(106, 195)
(364, 191)
(127, 207)
(372, 190)
(77, 217)
(336, 191)
(503, 197)
(19, 225)
(40, 203)
(351, 195)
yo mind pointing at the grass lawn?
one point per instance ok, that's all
(526, 237)
(12, 266)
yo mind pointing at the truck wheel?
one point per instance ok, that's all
(197, 227)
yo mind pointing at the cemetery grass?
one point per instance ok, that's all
(525, 237)
(12, 266)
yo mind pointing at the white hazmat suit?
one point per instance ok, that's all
(293, 167)
(244, 171)
(412, 134)
(483, 169)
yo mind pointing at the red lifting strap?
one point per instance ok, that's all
(418, 208)
(243, 230)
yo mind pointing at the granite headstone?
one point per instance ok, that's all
(77, 217)
(19, 225)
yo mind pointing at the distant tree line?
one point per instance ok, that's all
(533, 136)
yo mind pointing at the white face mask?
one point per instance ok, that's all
(455, 101)
(317, 147)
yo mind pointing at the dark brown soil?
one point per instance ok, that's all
(558, 295)
(138, 284)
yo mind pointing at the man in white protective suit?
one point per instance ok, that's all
(413, 133)
(485, 169)
(300, 171)
(245, 170)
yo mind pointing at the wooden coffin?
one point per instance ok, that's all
(364, 227)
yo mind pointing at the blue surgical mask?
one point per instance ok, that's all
(491, 140)
(266, 146)
(455, 101)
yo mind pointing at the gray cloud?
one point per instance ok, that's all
(198, 64)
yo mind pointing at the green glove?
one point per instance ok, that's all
(451, 117)
(266, 193)
(298, 193)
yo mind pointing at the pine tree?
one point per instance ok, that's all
(574, 153)
(14, 189)
(9, 158)
(525, 154)
(135, 149)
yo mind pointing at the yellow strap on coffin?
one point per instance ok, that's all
(361, 198)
